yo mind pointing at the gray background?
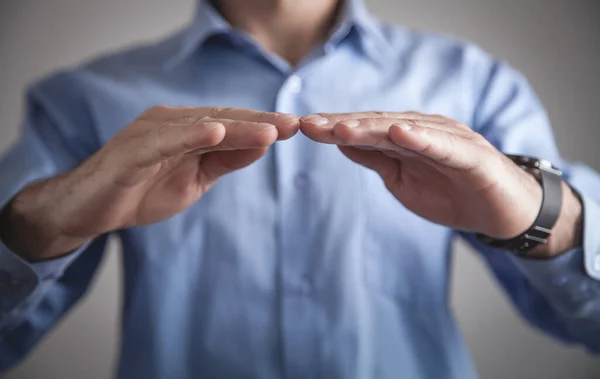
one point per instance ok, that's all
(554, 42)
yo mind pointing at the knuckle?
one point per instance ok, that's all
(239, 123)
(258, 116)
(460, 125)
(195, 120)
(411, 114)
(163, 126)
(480, 139)
(415, 123)
(221, 112)
(450, 140)
(381, 114)
(332, 117)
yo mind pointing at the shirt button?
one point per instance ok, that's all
(295, 84)
(302, 181)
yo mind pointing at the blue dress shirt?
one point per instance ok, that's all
(301, 265)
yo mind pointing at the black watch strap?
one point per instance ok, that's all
(551, 182)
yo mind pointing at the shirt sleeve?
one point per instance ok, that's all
(562, 295)
(56, 137)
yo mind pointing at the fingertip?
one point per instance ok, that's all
(398, 132)
(343, 131)
(288, 129)
(268, 135)
(214, 133)
(308, 129)
(401, 127)
(285, 118)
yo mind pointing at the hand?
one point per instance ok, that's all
(154, 168)
(438, 168)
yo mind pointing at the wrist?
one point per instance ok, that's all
(30, 223)
(567, 233)
(555, 229)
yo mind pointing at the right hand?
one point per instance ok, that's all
(154, 168)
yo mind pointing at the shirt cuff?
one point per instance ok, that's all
(19, 278)
(591, 237)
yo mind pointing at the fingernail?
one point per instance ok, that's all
(404, 126)
(351, 123)
(317, 120)
(287, 118)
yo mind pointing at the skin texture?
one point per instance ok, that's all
(443, 171)
(154, 168)
(288, 28)
(169, 157)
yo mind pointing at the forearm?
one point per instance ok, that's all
(30, 224)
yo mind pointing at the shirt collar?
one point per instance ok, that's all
(355, 18)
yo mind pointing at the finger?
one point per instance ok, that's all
(319, 130)
(441, 146)
(241, 135)
(171, 139)
(374, 133)
(448, 127)
(168, 140)
(215, 164)
(322, 130)
(368, 134)
(324, 119)
(287, 124)
(388, 168)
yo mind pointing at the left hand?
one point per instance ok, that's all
(438, 168)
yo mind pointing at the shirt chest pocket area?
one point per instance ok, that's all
(404, 257)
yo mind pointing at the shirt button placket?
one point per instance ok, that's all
(298, 330)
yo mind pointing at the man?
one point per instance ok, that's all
(322, 255)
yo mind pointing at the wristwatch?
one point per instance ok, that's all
(550, 179)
